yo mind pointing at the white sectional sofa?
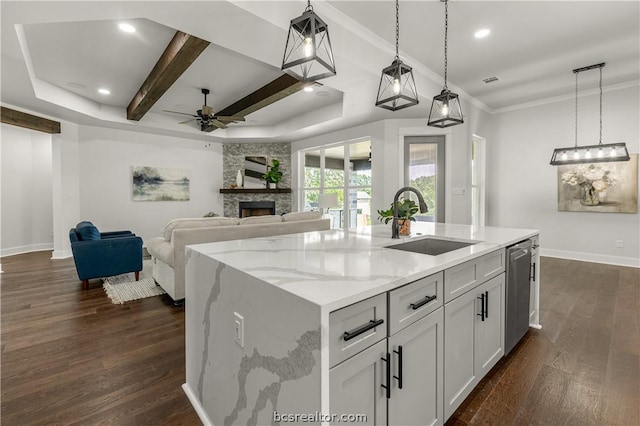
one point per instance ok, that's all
(168, 252)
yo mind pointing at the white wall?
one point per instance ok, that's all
(26, 192)
(105, 173)
(522, 186)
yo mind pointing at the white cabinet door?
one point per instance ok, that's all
(489, 333)
(356, 385)
(460, 375)
(419, 349)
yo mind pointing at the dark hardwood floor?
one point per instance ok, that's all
(70, 357)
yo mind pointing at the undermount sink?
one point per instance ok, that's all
(432, 246)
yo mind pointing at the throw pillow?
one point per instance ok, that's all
(297, 216)
(87, 231)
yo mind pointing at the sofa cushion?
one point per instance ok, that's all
(252, 220)
(87, 231)
(296, 216)
(198, 222)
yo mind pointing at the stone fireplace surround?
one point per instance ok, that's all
(233, 160)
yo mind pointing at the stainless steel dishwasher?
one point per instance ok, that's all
(517, 293)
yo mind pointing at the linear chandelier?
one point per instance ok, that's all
(307, 54)
(397, 87)
(599, 153)
(445, 109)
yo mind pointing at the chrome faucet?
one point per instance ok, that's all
(395, 226)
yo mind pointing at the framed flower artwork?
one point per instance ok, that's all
(599, 187)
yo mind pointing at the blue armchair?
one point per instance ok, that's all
(103, 254)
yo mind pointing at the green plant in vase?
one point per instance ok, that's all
(274, 174)
(407, 208)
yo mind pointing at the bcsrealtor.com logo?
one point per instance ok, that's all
(318, 417)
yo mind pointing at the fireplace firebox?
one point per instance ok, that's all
(256, 208)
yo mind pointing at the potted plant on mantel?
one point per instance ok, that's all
(274, 174)
(406, 209)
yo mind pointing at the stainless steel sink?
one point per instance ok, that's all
(432, 246)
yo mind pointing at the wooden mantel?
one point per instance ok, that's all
(255, 191)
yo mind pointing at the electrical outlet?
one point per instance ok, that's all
(238, 329)
(619, 244)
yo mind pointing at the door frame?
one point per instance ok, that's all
(441, 189)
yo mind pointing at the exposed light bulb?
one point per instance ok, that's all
(564, 155)
(588, 154)
(600, 153)
(576, 156)
(613, 152)
(396, 86)
(308, 47)
(445, 109)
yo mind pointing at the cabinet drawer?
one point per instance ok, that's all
(413, 301)
(462, 278)
(356, 327)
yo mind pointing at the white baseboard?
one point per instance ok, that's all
(206, 421)
(590, 257)
(61, 254)
(25, 249)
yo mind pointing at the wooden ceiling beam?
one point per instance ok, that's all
(28, 121)
(181, 52)
(280, 88)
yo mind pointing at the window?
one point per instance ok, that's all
(344, 170)
(424, 170)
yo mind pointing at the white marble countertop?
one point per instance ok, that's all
(334, 268)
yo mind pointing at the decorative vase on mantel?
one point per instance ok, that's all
(239, 179)
(588, 195)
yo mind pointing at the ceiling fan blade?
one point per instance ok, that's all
(177, 112)
(187, 121)
(229, 118)
(217, 123)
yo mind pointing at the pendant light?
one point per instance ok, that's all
(307, 54)
(599, 153)
(445, 109)
(397, 87)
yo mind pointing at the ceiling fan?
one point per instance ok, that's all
(207, 120)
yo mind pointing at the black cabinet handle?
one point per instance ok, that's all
(399, 376)
(423, 302)
(481, 314)
(387, 387)
(486, 304)
(348, 335)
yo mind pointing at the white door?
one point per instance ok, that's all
(460, 375)
(419, 348)
(356, 385)
(489, 336)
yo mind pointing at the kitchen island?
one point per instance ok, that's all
(301, 327)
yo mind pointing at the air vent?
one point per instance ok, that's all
(490, 79)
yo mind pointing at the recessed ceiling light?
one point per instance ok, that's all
(308, 88)
(127, 28)
(482, 33)
(104, 91)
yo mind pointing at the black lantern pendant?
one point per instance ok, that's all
(397, 87)
(308, 55)
(445, 109)
(600, 153)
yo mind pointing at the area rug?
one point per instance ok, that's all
(124, 288)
